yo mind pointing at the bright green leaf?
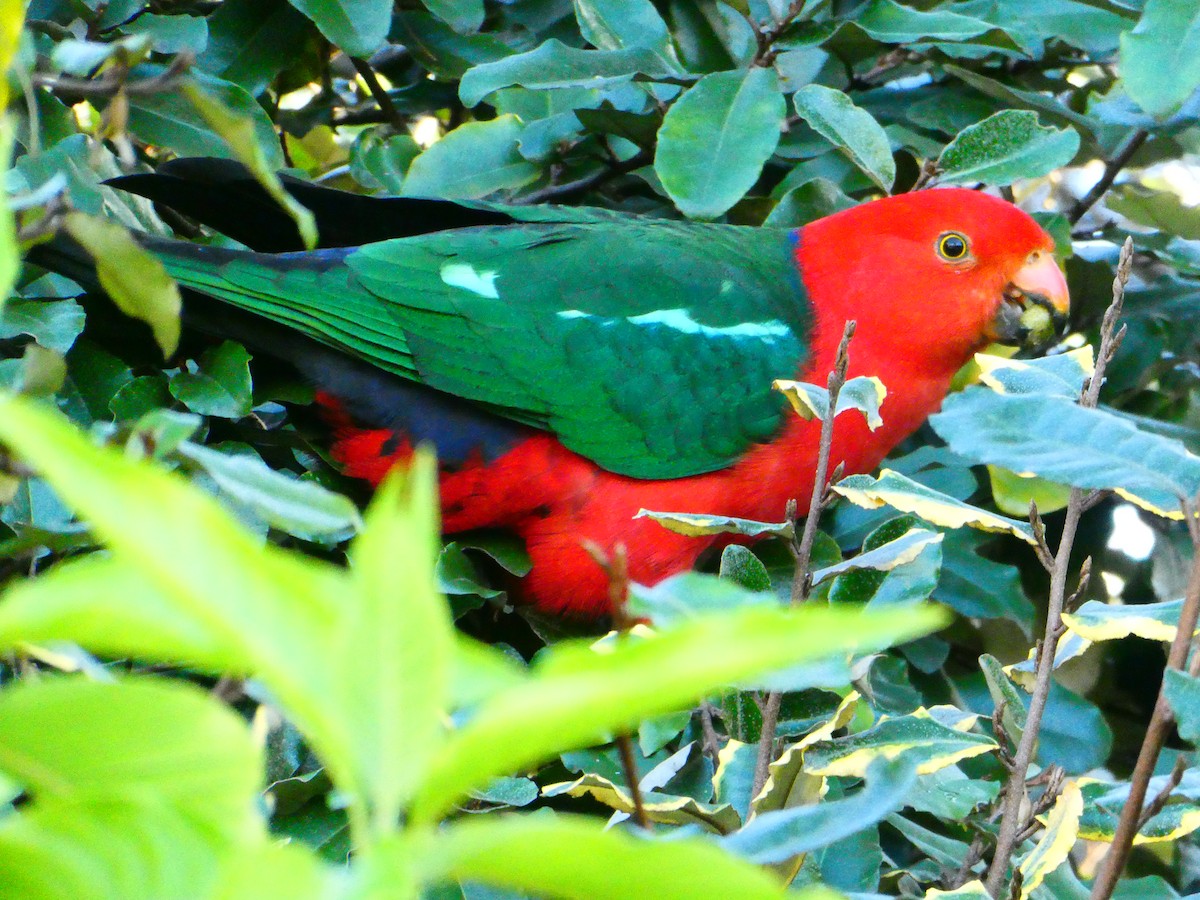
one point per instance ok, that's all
(576, 694)
(70, 737)
(571, 857)
(135, 280)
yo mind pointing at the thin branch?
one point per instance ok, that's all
(802, 550)
(1161, 723)
(1014, 790)
(1111, 170)
(386, 106)
(114, 81)
(625, 748)
(558, 192)
(616, 569)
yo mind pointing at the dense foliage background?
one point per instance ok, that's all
(234, 684)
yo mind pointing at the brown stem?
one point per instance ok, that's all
(1161, 722)
(625, 748)
(386, 106)
(1111, 170)
(569, 189)
(802, 579)
(113, 82)
(1014, 791)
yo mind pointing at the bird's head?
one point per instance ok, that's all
(940, 273)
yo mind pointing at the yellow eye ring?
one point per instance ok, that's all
(952, 246)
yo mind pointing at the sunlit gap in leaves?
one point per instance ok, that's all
(1130, 535)
(426, 131)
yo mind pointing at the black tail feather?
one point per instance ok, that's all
(223, 195)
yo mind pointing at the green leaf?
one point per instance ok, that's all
(622, 24)
(380, 159)
(974, 585)
(901, 585)
(663, 808)
(864, 393)
(464, 16)
(1013, 493)
(251, 41)
(1183, 693)
(160, 119)
(1160, 57)
(949, 794)
(1060, 441)
(1102, 804)
(902, 493)
(301, 507)
(688, 595)
(1162, 210)
(1061, 375)
(54, 325)
(854, 131)
(245, 142)
(572, 857)
(1053, 847)
(94, 848)
(218, 385)
(695, 524)
(772, 837)
(892, 23)
(576, 695)
(715, 139)
(1098, 621)
(1005, 696)
(743, 568)
(884, 558)
(1004, 147)
(136, 281)
(932, 744)
(555, 65)
(396, 649)
(473, 160)
(359, 27)
(69, 737)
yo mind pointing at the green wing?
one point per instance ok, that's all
(646, 346)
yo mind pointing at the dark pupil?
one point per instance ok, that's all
(953, 247)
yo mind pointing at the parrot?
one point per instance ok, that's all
(573, 366)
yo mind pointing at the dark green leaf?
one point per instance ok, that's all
(474, 160)
(218, 384)
(1004, 147)
(1160, 58)
(852, 130)
(715, 139)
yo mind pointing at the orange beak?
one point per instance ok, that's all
(1038, 283)
(1042, 282)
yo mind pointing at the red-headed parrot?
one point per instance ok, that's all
(575, 366)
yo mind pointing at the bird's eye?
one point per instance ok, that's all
(952, 246)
